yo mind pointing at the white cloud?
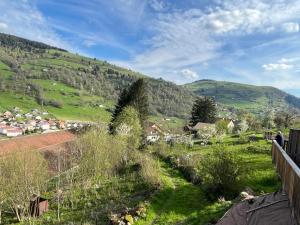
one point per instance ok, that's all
(182, 39)
(157, 5)
(189, 74)
(288, 60)
(277, 66)
(290, 27)
(3, 26)
(22, 18)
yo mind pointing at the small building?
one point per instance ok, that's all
(14, 132)
(7, 115)
(28, 115)
(198, 126)
(3, 128)
(31, 122)
(61, 125)
(28, 127)
(38, 206)
(154, 133)
(44, 125)
(52, 125)
(38, 118)
(230, 125)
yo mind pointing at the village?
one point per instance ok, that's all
(15, 123)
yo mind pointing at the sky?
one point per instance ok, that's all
(247, 41)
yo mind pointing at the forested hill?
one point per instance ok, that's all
(34, 74)
(243, 96)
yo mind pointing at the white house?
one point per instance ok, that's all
(44, 125)
(4, 128)
(14, 132)
(154, 133)
(38, 118)
(28, 115)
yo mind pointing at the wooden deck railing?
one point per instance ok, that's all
(289, 173)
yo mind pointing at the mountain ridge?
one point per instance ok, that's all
(244, 96)
(31, 70)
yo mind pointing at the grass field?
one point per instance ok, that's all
(5, 71)
(181, 202)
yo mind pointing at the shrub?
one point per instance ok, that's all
(149, 169)
(127, 124)
(22, 175)
(220, 172)
(55, 104)
(100, 154)
(243, 139)
(258, 149)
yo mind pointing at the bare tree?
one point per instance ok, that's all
(285, 119)
(23, 174)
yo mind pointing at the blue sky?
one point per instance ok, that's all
(254, 41)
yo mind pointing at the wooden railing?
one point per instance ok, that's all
(289, 173)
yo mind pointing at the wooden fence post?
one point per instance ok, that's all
(293, 149)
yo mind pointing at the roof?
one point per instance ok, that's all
(200, 125)
(152, 127)
(273, 209)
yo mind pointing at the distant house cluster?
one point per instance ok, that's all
(15, 123)
(194, 129)
(156, 133)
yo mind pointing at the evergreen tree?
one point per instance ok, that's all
(204, 110)
(135, 96)
(138, 98)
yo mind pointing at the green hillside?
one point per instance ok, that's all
(70, 86)
(82, 87)
(242, 96)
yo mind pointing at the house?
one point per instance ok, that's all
(200, 126)
(230, 125)
(14, 132)
(3, 128)
(197, 127)
(28, 115)
(154, 133)
(18, 115)
(31, 122)
(38, 118)
(52, 125)
(7, 115)
(28, 127)
(38, 206)
(61, 125)
(44, 125)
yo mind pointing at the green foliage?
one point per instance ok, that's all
(204, 110)
(268, 120)
(32, 62)
(135, 96)
(22, 175)
(101, 154)
(222, 127)
(257, 149)
(127, 124)
(255, 99)
(220, 172)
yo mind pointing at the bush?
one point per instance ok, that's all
(258, 149)
(243, 139)
(100, 154)
(55, 104)
(220, 172)
(149, 169)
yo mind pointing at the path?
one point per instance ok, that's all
(180, 203)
